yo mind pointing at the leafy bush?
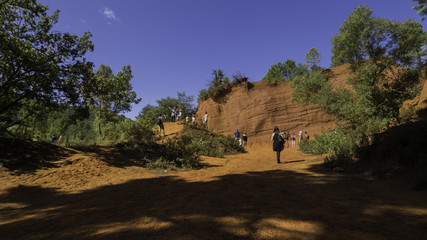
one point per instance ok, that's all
(203, 95)
(126, 130)
(181, 152)
(327, 142)
(342, 158)
(220, 85)
(203, 142)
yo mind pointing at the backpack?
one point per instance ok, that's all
(280, 139)
(281, 142)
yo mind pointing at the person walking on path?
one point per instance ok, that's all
(193, 119)
(307, 136)
(293, 139)
(245, 140)
(205, 122)
(278, 141)
(161, 126)
(236, 134)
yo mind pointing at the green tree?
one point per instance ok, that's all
(149, 113)
(185, 103)
(39, 67)
(218, 78)
(275, 73)
(313, 58)
(287, 71)
(111, 94)
(215, 85)
(364, 37)
(374, 48)
(421, 7)
(203, 95)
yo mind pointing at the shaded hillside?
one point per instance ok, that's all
(401, 150)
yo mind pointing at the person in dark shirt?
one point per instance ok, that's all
(278, 142)
(245, 140)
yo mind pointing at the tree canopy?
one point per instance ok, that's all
(421, 7)
(218, 81)
(219, 78)
(111, 94)
(313, 58)
(384, 57)
(363, 37)
(148, 115)
(39, 67)
(287, 71)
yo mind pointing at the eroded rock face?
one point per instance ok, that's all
(255, 108)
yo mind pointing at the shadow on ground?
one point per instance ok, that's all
(24, 156)
(256, 205)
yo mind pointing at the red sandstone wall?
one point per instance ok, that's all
(255, 108)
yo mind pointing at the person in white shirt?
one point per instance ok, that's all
(206, 120)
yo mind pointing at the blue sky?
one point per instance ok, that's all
(173, 45)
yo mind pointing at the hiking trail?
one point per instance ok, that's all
(244, 196)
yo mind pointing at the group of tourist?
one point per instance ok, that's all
(281, 139)
(243, 140)
(176, 116)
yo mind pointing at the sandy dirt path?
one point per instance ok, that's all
(245, 196)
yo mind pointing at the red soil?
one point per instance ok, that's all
(245, 196)
(103, 195)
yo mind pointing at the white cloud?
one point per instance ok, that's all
(108, 13)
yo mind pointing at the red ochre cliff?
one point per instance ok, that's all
(256, 107)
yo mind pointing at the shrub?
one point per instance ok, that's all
(182, 151)
(202, 142)
(327, 142)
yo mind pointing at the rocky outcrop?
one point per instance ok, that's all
(256, 107)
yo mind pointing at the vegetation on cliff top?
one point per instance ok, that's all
(373, 47)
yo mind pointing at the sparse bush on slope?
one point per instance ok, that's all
(184, 150)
